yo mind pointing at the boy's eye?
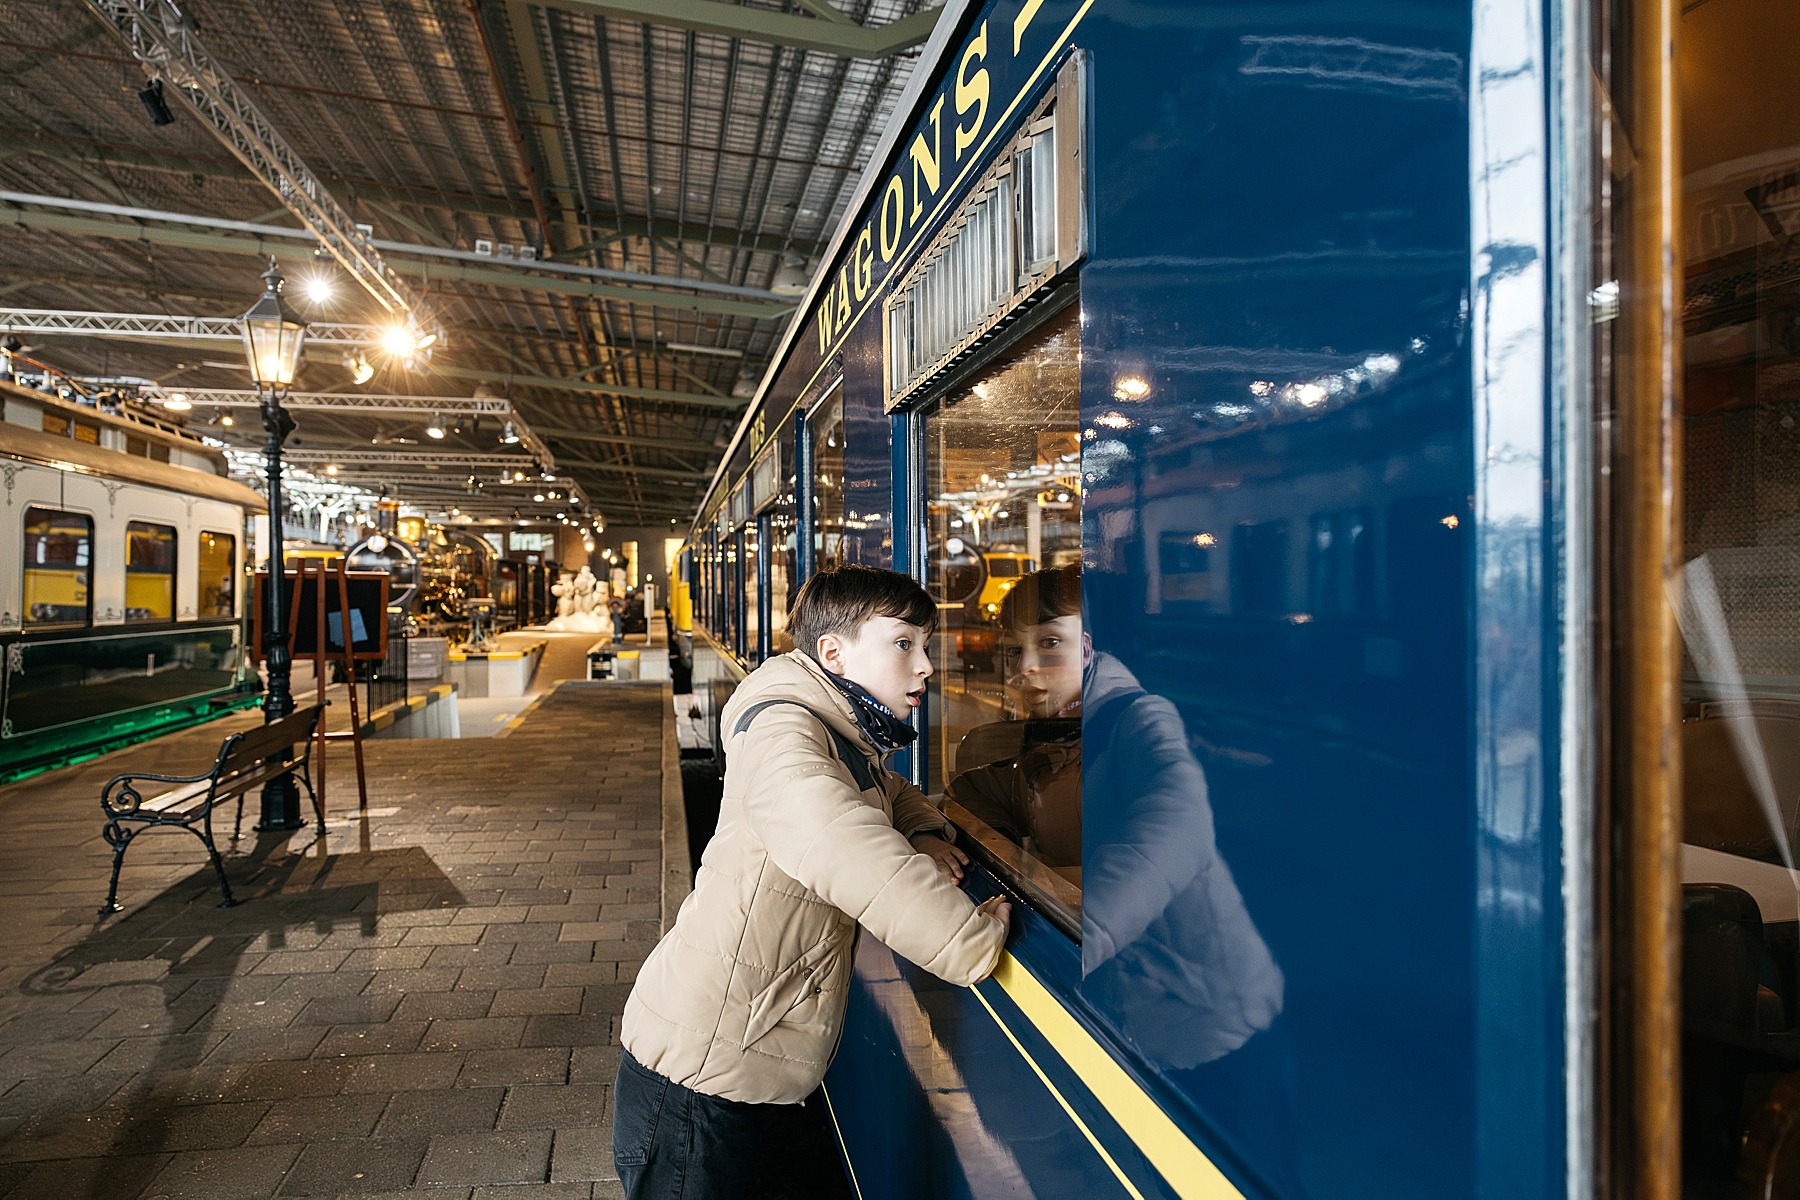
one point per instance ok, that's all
(1050, 643)
(904, 643)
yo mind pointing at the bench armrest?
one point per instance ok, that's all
(128, 799)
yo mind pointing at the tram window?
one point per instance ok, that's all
(1003, 481)
(827, 430)
(1341, 564)
(752, 592)
(1259, 567)
(1184, 559)
(783, 552)
(149, 572)
(59, 548)
(218, 575)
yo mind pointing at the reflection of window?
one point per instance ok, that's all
(826, 427)
(1184, 559)
(1004, 741)
(59, 549)
(218, 576)
(1259, 567)
(783, 549)
(752, 593)
(1341, 564)
(149, 572)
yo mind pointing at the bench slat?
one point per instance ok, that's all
(270, 740)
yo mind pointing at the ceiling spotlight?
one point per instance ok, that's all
(378, 543)
(399, 340)
(227, 419)
(518, 477)
(791, 277)
(538, 497)
(509, 436)
(457, 427)
(177, 402)
(359, 367)
(317, 287)
(436, 428)
(155, 105)
(332, 470)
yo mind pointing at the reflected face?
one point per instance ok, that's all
(1041, 665)
(886, 656)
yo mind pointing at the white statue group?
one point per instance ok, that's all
(581, 601)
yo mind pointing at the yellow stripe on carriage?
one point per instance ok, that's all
(1189, 1173)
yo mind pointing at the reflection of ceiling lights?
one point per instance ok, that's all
(1131, 387)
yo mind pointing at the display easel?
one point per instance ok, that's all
(317, 571)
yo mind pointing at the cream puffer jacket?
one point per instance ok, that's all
(744, 997)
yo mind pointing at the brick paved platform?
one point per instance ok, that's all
(425, 1001)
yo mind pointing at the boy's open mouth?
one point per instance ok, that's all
(916, 697)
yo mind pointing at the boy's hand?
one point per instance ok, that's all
(999, 908)
(949, 859)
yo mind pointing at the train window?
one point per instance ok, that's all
(72, 427)
(1003, 549)
(1739, 687)
(149, 572)
(826, 428)
(218, 575)
(731, 592)
(752, 592)
(783, 553)
(59, 550)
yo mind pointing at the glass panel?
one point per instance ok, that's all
(218, 577)
(59, 549)
(826, 428)
(731, 591)
(783, 550)
(1740, 686)
(752, 592)
(66, 681)
(1005, 703)
(149, 572)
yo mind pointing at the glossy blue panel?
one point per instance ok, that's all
(1281, 256)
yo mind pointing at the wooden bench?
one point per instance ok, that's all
(246, 761)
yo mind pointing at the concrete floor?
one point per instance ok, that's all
(425, 1000)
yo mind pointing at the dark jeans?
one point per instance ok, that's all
(670, 1143)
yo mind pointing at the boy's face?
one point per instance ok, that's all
(1041, 666)
(886, 656)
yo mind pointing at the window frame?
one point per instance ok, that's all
(26, 625)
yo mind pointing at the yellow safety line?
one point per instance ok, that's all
(1066, 1107)
(848, 1165)
(1189, 1172)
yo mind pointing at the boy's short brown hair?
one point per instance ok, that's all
(840, 600)
(1042, 596)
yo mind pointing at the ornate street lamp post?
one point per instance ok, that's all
(272, 340)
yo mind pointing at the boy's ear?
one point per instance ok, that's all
(831, 653)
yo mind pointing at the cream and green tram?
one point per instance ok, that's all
(122, 574)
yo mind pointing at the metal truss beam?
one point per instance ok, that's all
(762, 25)
(345, 402)
(166, 41)
(121, 222)
(88, 154)
(694, 445)
(659, 395)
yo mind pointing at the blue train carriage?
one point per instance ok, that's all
(122, 614)
(1173, 327)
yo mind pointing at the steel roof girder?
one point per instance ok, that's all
(761, 25)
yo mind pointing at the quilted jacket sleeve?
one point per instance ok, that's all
(913, 813)
(801, 803)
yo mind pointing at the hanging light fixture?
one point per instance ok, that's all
(509, 436)
(436, 428)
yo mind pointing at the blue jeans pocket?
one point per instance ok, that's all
(638, 1097)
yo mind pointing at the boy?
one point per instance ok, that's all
(741, 1004)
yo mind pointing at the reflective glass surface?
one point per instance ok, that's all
(66, 680)
(59, 549)
(826, 430)
(217, 568)
(1002, 561)
(752, 592)
(149, 572)
(1739, 587)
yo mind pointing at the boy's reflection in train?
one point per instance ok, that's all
(1169, 950)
